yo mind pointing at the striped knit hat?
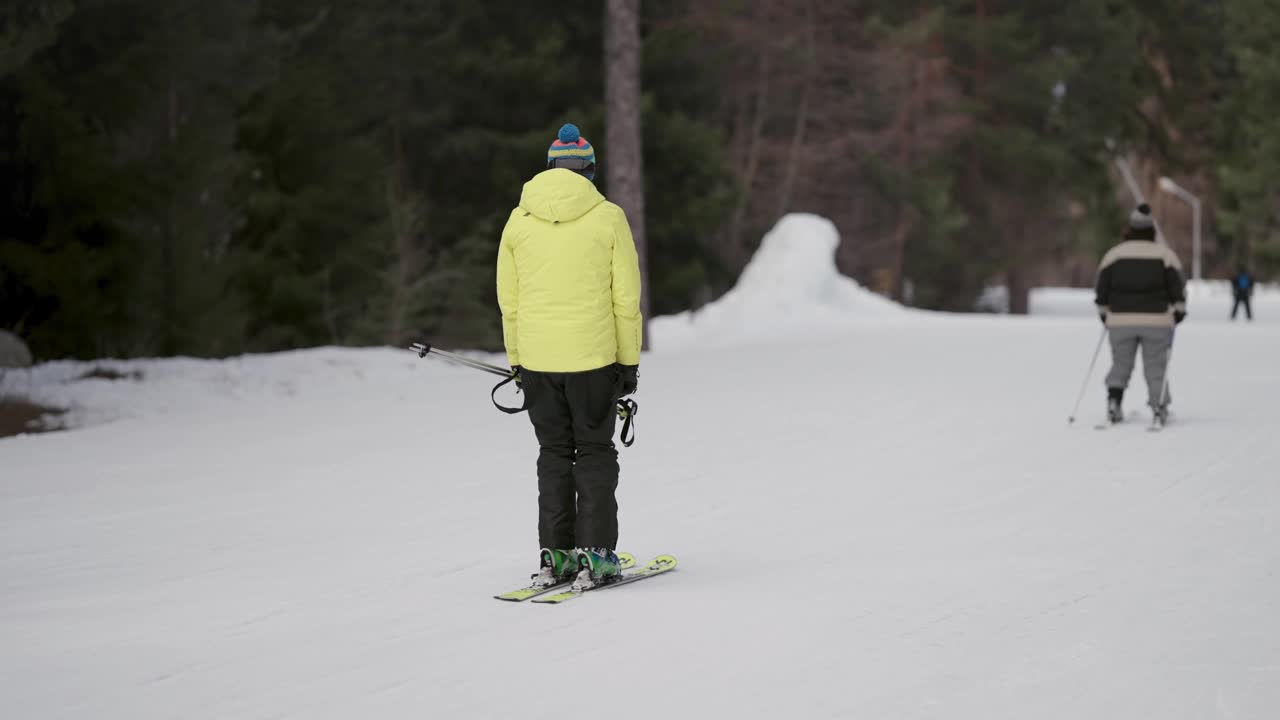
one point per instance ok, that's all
(572, 152)
(1140, 218)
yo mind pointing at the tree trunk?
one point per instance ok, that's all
(1019, 290)
(802, 113)
(904, 135)
(168, 249)
(1020, 268)
(753, 159)
(399, 240)
(979, 88)
(624, 167)
(326, 307)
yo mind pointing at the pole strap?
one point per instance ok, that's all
(627, 409)
(1168, 358)
(524, 405)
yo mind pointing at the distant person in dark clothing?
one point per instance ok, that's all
(1242, 284)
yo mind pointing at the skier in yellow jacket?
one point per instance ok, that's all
(569, 290)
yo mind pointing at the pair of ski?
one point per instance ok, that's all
(563, 592)
(1155, 425)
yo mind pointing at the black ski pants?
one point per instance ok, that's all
(1242, 299)
(574, 416)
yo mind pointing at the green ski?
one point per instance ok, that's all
(656, 566)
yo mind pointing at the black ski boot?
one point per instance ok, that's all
(1115, 402)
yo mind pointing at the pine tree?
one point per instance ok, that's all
(129, 122)
(1248, 174)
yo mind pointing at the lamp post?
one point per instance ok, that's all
(1173, 188)
(1127, 173)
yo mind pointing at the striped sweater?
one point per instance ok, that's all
(1140, 284)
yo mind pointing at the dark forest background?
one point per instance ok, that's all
(209, 178)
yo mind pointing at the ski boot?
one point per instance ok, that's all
(557, 566)
(596, 566)
(1160, 415)
(1115, 410)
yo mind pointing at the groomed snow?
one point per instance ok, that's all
(879, 515)
(1208, 301)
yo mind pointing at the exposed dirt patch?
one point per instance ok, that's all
(101, 373)
(19, 416)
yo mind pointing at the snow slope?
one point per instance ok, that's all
(882, 517)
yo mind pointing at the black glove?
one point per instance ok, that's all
(1179, 316)
(1103, 318)
(515, 373)
(630, 375)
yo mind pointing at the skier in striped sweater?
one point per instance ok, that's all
(1141, 296)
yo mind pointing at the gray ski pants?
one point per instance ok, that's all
(1156, 343)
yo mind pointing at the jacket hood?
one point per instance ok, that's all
(559, 195)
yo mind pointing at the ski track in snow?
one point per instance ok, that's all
(884, 517)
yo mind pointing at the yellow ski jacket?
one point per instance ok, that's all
(568, 278)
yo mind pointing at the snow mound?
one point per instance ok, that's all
(1064, 301)
(178, 388)
(790, 288)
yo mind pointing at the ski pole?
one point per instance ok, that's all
(424, 349)
(627, 408)
(508, 376)
(1085, 386)
(1168, 359)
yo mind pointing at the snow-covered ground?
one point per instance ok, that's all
(1208, 301)
(884, 516)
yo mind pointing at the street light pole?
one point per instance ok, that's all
(1127, 173)
(1196, 247)
(1169, 186)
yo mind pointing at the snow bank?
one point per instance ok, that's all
(790, 288)
(1207, 301)
(178, 388)
(1067, 301)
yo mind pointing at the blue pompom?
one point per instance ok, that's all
(569, 134)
